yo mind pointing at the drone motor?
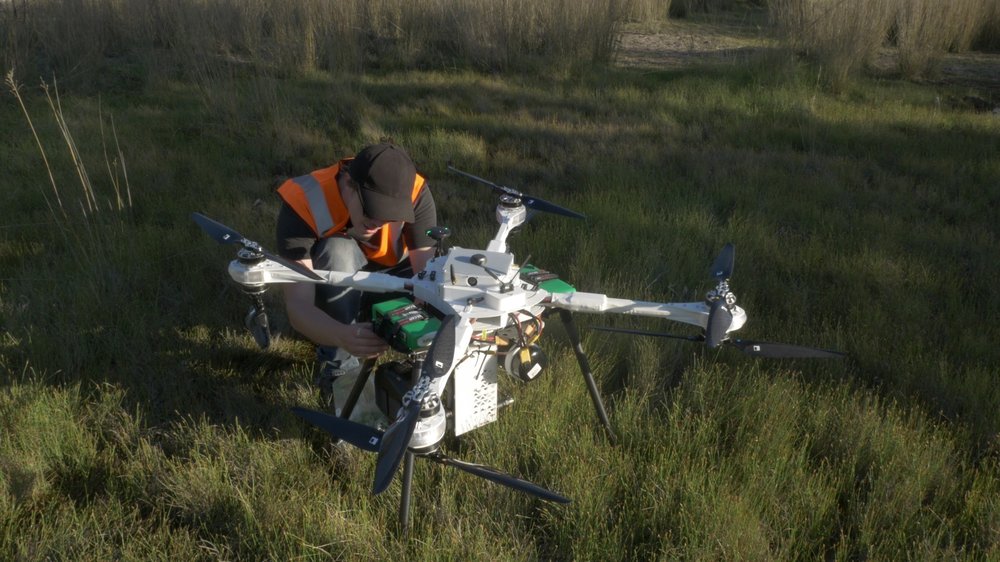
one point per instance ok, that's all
(431, 426)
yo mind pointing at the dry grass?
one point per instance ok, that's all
(306, 35)
(927, 29)
(844, 36)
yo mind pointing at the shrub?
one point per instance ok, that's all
(843, 35)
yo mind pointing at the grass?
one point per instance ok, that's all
(140, 422)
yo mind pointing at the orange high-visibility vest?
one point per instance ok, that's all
(315, 197)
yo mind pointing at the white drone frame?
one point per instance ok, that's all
(476, 291)
(444, 285)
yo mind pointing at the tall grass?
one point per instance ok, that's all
(303, 35)
(123, 43)
(845, 36)
(926, 29)
(648, 10)
(988, 37)
(87, 217)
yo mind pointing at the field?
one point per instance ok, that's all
(138, 420)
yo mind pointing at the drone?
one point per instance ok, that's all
(470, 314)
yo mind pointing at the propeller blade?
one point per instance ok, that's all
(537, 204)
(647, 333)
(259, 327)
(442, 352)
(225, 235)
(437, 364)
(500, 189)
(722, 267)
(783, 350)
(361, 436)
(530, 202)
(218, 231)
(719, 320)
(394, 444)
(498, 477)
(294, 266)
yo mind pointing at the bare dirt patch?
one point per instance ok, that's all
(683, 43)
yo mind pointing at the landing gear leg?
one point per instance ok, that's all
(588, 376)
(408, 458)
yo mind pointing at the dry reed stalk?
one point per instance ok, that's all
(15, 89)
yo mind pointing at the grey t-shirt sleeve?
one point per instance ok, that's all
(424, 218)
(295, 238)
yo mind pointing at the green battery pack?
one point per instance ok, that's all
(405, 326)
(547, 281)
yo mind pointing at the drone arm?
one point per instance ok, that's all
(369, 282)
(268, 272)
(694, 313)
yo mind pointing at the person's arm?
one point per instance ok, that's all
(425, 218)
(294, 240)
(320, 328)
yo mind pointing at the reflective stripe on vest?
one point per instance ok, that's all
(317, 202)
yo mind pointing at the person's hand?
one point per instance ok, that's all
(359, 340)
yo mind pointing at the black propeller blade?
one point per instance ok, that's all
(225, 235)
(369, 438)
(722, 267)
(359, 435)
(257, 323)
(441, 355)
(784, 350)
(394, 444)
(527, 200)
(218, 231)
(751, 348)
(647, 333)
(719, 320)
(397, 438)
(494, 475)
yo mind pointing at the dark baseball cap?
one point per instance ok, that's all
(385, 174)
